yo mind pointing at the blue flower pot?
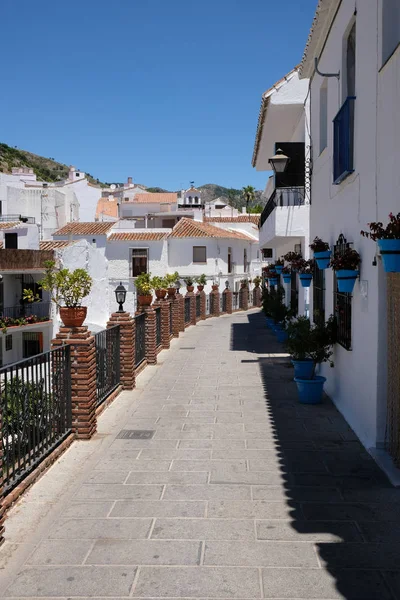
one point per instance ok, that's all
(323, 259)
(303, 369)
(390, 252)
(277, 327)
(281, 335)
(270, 322)
(305, 279)
(273, 280)
(287, 278)
(279, 269)
(310, 390)
(346, 279)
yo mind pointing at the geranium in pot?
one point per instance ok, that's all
(292, 258)
(159, 285)
(317, 346)
(279, 264)
(67, 290)
(171, 279)
(189, 281)
(287, 274)
(322, 252)
(346, 267)
(201, 281)
(271, 276)
(144, 288)
(305, 270)
(388, 239)
(257, 281)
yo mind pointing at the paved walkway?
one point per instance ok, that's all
(241, 493)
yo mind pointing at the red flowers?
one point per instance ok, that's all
(378, 231)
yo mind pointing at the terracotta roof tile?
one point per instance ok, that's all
(84, 228)
(8, 225)
(54, 244)
(239, 219)
(156, 198)
(138, 237)
(188, 228)
(106, 207)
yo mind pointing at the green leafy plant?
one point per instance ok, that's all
(201, 279)
(312, 341)
(143, 283)
(319, 246)
(159, 283)
(349, 260)
(189, 281)
(172, 278)
(257, 280)
(67, 288)
(274, 307)
(245, 282)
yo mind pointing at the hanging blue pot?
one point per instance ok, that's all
(277, 327)
(303, 369)
(305, 279)
(287, 277)
(323, 259)
(281, 335)
(279, 269)
(346, 279)
(310, 390)
(390, 252)
(273, 280)
(270, 322)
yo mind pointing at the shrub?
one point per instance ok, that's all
(319, 246)
(143, 283)
(349, 260)
(67, 288)
(201, 279)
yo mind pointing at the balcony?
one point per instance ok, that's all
(284, 216)
(15, 218)
(41, 310)
(343, 141)
(19, 261)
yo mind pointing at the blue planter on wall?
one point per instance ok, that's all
(270, 322)
(287, 277)
(390, 252)
(273, 280)
(346, 279)
(310, 390)
(305, 279)
(281, 335)
(323, 259)
(303, 369)
(279, 269)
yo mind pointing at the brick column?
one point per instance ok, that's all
(181, 311)
(83, 378)
(215, 303)
(244, 298)
(127, 328)
(165, 322)
(175, 316)
(192, 297)
(203, 301)
(2, 511)
(228, 301)
(150, 334)
(257, 296)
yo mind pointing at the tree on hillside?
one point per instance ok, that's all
(249, 194)
(256, 209)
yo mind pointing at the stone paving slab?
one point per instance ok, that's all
(242, 492)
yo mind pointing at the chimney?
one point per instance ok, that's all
(130, 180)
(244, 210)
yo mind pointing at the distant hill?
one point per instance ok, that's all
(48, 169)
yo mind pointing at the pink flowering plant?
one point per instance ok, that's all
(349, 260)
(319, 245)
(379, 232)
(304, 267)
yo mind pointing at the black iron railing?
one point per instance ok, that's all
(268, 208)
(158, 326)
(250, 300)
(170, 319)
(140, 339)
(198, 306)
(10, 218)
(35, 401)
(235, 300)
(108, 372)
(294, 293)
(208, 304)
(187, 310)
(41, 310)
(223, 303)
(342, 302)
(293, 196)
(318, 294)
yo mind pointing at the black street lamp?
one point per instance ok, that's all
(177, 285)
(227, 285)
(120, 296)
(279, 161)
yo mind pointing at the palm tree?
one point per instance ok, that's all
(249, 194)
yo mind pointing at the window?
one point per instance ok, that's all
(8, 342)
(323, 116)
(267, 252)
(318, 294)
(11, 241)
(390, 30)
(32, 344)
(139, 260)
(245, 264)
(229, 260)
(77, 174)
(196, 199)
(199, 254)
(190, 199)
(342, 304)
(94, 243)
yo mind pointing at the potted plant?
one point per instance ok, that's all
(215, 285)
(67, 289)
(346, 267)
(305, 269)
(171, 279)
(291, 257)
(317, 346)
(189, 281)
(271, 268)
(298, 337)
(244, 283)
(388, 239)
(159, 285)
(257, 281)
(287, 274)
(143, 283)
(322, 253)
(272, 277)
(279, 264)
(201, 281)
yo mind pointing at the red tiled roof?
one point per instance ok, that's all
(239, 219)
(156, 198)
(84, 228)
(54, 244)
(188, 228)
(138, 237)
(7, 225)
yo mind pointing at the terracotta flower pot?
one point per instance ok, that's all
(145, 300)
(171, 291)
(215, 287)
(160, 294)
(73, 317)
(243, 285)
(190, 288)
(200, 288)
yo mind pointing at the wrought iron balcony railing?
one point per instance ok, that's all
(282, 197)
(41, 310)
(11, 218)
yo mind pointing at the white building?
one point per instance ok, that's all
(355, 129)
(283, 124)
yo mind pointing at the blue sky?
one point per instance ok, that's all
(166, 91)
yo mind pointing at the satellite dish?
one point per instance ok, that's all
(112, 186)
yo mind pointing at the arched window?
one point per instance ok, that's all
(190, 199)
(196, 199)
